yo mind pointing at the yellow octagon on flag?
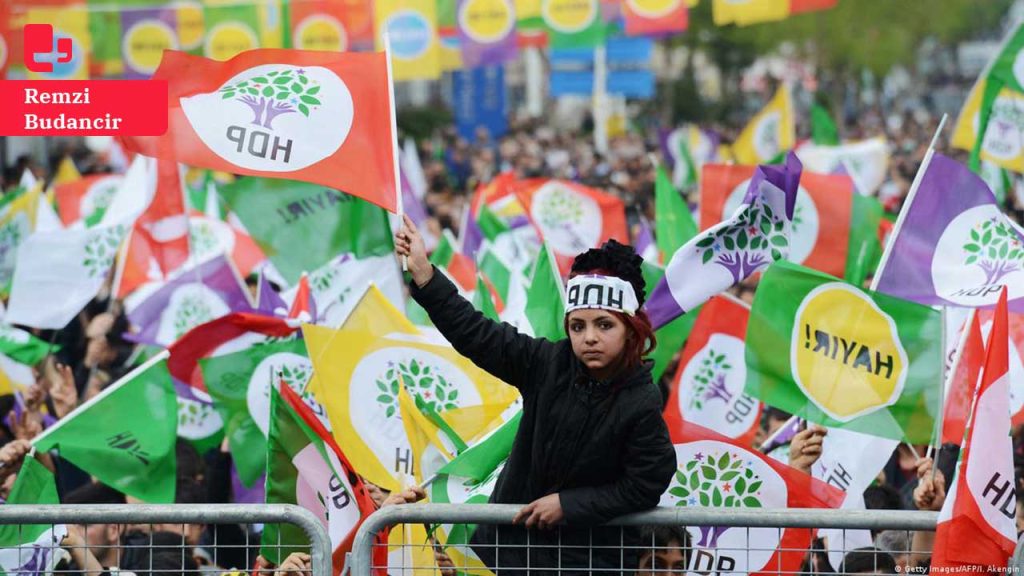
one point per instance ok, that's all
(846, 353)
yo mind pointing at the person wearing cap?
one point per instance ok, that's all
(592, 444)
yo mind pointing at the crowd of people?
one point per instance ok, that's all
(94, 353)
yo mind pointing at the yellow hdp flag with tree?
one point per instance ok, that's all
(359, 377)
(768, 134)
(745, 12)
(412, 27)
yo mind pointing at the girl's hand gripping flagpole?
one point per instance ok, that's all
(394, 138)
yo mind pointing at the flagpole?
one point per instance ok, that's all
(394, 140)
(163, 355)
(906, 205)
(936, 442)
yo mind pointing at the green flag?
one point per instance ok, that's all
(303, 469)
(31, 548)
(22, 347)
(671, 336)
(864, 250)
(491, 226)
(1002, 74)
(545, 298)
(302, 226)
(673, 222)
(496, 270)
(481, 459)
(824, 131)
(482, 300)
(34, 484)
(125, 436)
(574, 24)
(240, 385)
(844, 357)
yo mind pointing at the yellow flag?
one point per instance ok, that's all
(359, 376)
(1004, 140)
(451, 53)
(68, 22)
(429, 452)
(769, 133)
(66, 172)
(745, 12)
(412, 27)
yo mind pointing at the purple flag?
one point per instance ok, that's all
(783, 435)
(644, 243)
(487, 32)
(954, 246)
(195, 296)
(267, 299)
(756, 235)
(145, 33)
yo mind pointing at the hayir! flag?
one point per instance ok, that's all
(976, 524)
(319, 117)
(840, 356)
(125, 436)
(954, 246)
(723, 255)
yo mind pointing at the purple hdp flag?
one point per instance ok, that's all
(756, 235)
(955, 247)
(644, 243)
(195, 296)
(482, 46)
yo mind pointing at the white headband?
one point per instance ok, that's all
(604, 292)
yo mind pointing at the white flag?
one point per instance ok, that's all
(59, 272)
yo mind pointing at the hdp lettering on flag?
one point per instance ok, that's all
(314, 116)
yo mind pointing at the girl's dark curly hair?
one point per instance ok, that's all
(616, 259)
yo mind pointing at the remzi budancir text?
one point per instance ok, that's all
(63, 121)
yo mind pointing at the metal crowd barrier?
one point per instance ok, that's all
(157, 539)
(734, 533)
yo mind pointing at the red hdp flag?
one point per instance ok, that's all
(499, 187)
(964, 383)
(708, 386)
(163, 227)
(225, 334)
(85, 198)
(303, 306)
(717, 471)
(821, 218)
(321, 117)
(643, 19)
(571, 218)
(1016, 330)
(976, 526)
(800, 6)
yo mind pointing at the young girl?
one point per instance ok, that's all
(592, 444)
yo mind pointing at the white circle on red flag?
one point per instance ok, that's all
(258, 122)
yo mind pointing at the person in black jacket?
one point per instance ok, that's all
(592, 444)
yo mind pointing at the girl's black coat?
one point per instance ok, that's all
(603, 447)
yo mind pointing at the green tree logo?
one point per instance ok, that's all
(12, 233)
(709, 383)
(193, 311)
(202, 238)
(996, 248)
(719, 480)
(278, 92)
(193, 414)
(758, 237)
(562, 210)
(429, 388)
(100, 250)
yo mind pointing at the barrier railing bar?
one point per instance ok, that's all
(362, 548)
(320, 542)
